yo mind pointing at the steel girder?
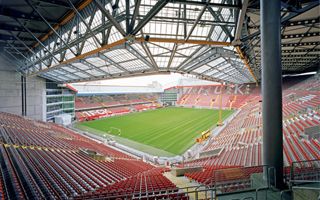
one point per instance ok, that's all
(209, 25)
(300, 35)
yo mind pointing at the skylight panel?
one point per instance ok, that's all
(162, 61)
(216, 62)
(114, 35)
(211, 72)
(89, 45)
(111, 69)
(119, 55)
(139, 49)
(80, 66)
(83, 75)
(69, 69)
(202, 69)
(160, 48)
(97, 19)
(95, 72)
(187, 49)
(96, 61)
(176, 61)
(135, 65)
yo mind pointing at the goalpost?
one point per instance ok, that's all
(111, 129)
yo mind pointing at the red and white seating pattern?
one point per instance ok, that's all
(209, 96)
(241, 139)
(46, 161)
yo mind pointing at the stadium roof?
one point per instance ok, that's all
(219, 40)
(94, 89)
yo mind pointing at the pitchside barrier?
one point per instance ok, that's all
(302, 172)
(224, 182)
(232, 181)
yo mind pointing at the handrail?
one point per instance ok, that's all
(261, 188)
(313, 162)
(282, 192)
(268, 181)
(274, 176)
(247, 198)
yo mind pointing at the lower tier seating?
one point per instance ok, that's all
(46, 161)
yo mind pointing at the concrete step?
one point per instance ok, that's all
(189, 186)
(306, 192)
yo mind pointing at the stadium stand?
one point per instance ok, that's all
(98, 106)
(209, 95)
(240, 141)
(43, 160)
(239, 49)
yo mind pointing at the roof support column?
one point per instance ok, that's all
(272, 91)
(23, 96)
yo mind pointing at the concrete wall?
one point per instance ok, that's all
(36, 98)
(10, 92)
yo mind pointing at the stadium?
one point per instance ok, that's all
(160, 99)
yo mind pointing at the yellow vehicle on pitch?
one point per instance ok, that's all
(204, 135)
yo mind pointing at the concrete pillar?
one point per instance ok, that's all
(272, 90)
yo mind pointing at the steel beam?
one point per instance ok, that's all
(286, 19)
(110, 17)
(5, 11)
(154, 10)
(115, 64)
(104, 47)
(10, 37)
(246, 63)
(217, 18)
(57, 3)
(201, 3)
(8, 27)
(134, 16)
(272, 92)
(204, 8)
(35, 37)
(127, 2)
(98, 43)
(139, 56)
(65, 19)
(179, 41)
(94, 67)
(305, 22)
(149, 54)
(241, 18)
(118, 75)
(300, 35)
(49, 25)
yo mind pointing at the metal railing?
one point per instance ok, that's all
(307, 171)
(213, 185)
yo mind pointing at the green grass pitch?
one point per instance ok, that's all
(173, 130)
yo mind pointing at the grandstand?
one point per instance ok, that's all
(94, 107)
(241, 122)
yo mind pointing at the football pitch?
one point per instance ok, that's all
(172, 130)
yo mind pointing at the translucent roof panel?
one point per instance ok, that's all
(191, 37)
(119, 55)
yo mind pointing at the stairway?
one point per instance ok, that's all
(183, 182)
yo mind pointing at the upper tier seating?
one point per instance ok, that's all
(95, 107)
(86, 102)
(209, 96)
